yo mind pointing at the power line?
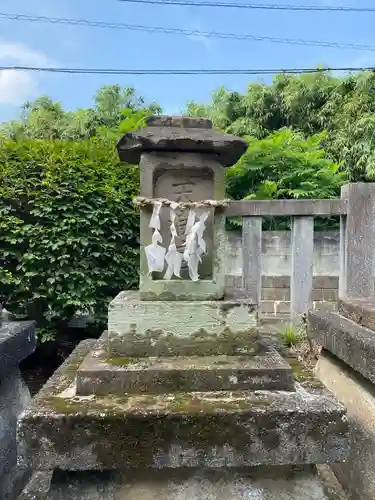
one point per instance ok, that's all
(180, 31)
(297, 8)
(114, 71)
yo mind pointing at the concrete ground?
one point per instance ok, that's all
(198, 485)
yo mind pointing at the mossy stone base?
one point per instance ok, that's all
(186, 328)
(218, 429)
(265, 369)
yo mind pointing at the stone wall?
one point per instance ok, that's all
(276, 269)
(277, 252)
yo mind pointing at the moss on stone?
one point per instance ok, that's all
(158, 343)
(302, 374)
(121, 360)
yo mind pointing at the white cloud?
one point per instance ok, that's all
(18, 86)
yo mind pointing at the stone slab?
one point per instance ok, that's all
(358, 395)
(362, 311)
(100, 375)
(222, 429)
(350, 342)
(17, 341)
(181, 135)
(260, 484)
(152, 328)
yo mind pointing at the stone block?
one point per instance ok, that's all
(350, 342)
(326, 282)
(274, 306)
(183, 176)
(357, 473)
(222, 429)
(265, 369)
(317, 294)
(279, 294)
(324, 306)
(276, 281)
(17, 341)
(330, 294)
(152, 328)
(262, 483)
(362, 311)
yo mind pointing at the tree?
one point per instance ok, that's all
(342, 107)
(44, 119)
(285, 165)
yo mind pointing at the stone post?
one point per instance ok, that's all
(358, 241)
(17, 341)
(183, 159)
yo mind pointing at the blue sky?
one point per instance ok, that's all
(26, 43)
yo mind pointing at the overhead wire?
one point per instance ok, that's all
(119, 71)
(186, 32)
(256, 6)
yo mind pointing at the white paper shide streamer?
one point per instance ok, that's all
(195, 246)
(155, 253)
(173, 256)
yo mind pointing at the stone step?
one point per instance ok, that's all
(352, 343)
(265, 369)
(262, 483)
(62, 430)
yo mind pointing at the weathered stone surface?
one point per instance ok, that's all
(357, 473)
(183, 177)
(331, 485)
(17, 341)
(272, 483)
(230, 429)
(358, 236)
(347, 340)
(181, 134)
(38, 488)
(161, 328)
(14, 397)
(362, 311)
(263, 370)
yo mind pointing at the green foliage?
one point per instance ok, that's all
(44, 119)
(342, 107)
(291, 335)
(285, 165)
(68, 230)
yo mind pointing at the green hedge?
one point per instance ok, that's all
(68, 230)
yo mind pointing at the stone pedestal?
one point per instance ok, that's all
(17, 340)
(180, 380)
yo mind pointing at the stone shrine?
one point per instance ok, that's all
(180, 380)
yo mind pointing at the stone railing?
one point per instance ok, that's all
(356, 209)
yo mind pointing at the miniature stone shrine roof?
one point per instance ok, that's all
(181, 134)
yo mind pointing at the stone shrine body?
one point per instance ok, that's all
(181, 379)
